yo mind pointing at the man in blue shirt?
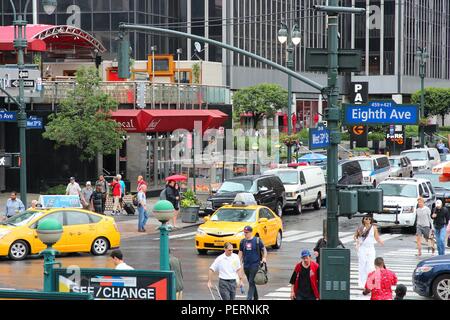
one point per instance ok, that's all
(13, 205)
(252, 253)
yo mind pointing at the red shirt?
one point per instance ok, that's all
(140, 184)
(116, 191)
(380, 283)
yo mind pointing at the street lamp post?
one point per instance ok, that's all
(49, 232)
(422, 55)
(153, 49)
(293, 37)
(164, 211)
(179, 52)
(255, 148)
(20, 44)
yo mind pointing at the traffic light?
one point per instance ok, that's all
(123, 57)
(359, 199)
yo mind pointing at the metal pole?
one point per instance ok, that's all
(290, 65)
(179, 80)
(422, 95)
(333, 118)
(49, 261)
(153, 76)
(164, 247)
(193, 160)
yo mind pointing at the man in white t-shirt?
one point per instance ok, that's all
(117, 258)
(228, 265)
(73, 188)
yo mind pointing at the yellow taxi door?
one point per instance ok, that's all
(272, 226)
(263, 226)
(80, 231)
(37, 245)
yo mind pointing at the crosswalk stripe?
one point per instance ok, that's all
(182, 235)
(348, 239)
(315, 239)
(292, 232)
(302, 236)
(386, 237)
(278, 294)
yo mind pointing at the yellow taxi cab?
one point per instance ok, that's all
(83, 231)
(228, 222)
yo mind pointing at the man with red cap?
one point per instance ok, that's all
(305, 279)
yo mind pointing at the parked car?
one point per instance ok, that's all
(304, 185)
(375, 168)
(445, 157)
(442, 189)
(431, 277)
(268, 191)
(401, 166)
(349, 172)
(400, 196)
(423, 158)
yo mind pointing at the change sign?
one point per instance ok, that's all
(114, 284)
(381, 112)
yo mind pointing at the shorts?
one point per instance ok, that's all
(423, 230)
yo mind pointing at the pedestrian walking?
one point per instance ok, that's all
(140, 182)
(423, 225)
(115, 185)
(440, 217)
(175, 266)
(252, 253)
(104, 189)
(122, 191)
(322, 243)
(117, 258)
(73, 188)
(400, 292)
(86, 194)
(305, 278)
(229, 267)
(173, 195)
(13, 205)
(379, 282)
(96, 200)
(142, 208)
(365, 237)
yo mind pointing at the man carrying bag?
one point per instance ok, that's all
(252, 253)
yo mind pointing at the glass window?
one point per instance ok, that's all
(120, 5)
(235, 215)
(264, 183)
(302, 178)
(264, 213)
(58, 216)
(430, 187)
(420, 189)
(22, 218)
(75, 218)
(399, 190)
(366, 165)
(85, 5)
(288, 177)
(235, 186)
(94, 218)
(103, 5)
(416, 155)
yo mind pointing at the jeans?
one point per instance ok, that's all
(440, 234)
(299, 297)
(227, 289)
(250, 273)
(143, 217)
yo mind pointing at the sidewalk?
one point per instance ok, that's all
(127, 224)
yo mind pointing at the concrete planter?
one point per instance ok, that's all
(190, 214)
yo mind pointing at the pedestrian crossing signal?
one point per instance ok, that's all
(16, 161)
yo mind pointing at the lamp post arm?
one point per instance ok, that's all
(10, 96)
(26, 9)
(14, 9)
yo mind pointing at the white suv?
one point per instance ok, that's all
(400, 195)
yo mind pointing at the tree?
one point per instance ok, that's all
(437, 101)
(262, 100)
(84, 118)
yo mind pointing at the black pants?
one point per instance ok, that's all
(299, 297)
(250, 273)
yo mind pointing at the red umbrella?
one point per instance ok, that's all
(176, 177)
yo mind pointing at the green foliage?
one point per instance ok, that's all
(412, 131)
(59, 189)
(262, 100)
(437, 101)
(346, 136)
(189, 199)
(196, 72)
(84, 119)
(376, 136)
(363, 149)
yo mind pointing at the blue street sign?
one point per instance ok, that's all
(319, 137)
(8, 116)
(381, 112)
(34, 123)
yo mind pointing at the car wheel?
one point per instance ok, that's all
(298, 206)
(374, 183)
(400, 175)
(18, 250)
(100, 246)
(279, 209)
(318, 203)
(441, 287)
(202, 251)
(411, 174)
(277, 244)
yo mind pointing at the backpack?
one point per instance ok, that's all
(163, 195)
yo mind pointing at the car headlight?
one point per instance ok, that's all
(423, 167)
(366, 178)
(423, 269)
(408, 209)
(208, 204)
(201, 232)
(239, 234)
(4, 233)
(290, 194)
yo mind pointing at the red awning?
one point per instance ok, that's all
(43, 37)
(167, 120)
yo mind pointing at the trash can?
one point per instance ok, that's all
(190, 214)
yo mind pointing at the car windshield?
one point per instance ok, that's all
(366, 165)
(236, 186)
(399, 190)
(434, 179)
(22, 218)
(416, 155)
(235, 215)
(288, 177)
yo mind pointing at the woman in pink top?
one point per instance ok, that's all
(380, 282)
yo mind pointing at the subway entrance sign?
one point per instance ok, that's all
(380, 113)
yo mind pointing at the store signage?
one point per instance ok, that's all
(114, 284)
(359, 93)
(381, 112)
(319, 137)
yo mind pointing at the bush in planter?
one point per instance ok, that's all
(189, 207)
(189, 199)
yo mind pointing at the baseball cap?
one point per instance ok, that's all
(88, 183)
(305, 253)
(248, 229)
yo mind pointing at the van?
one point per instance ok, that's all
(375, 168)
(423, 158)
(304, 186)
